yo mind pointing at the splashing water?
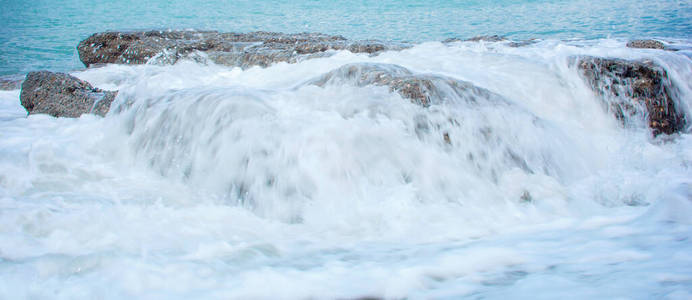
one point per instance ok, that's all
(321, 179)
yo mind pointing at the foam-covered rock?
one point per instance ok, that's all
(422, 89)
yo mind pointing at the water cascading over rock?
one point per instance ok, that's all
(632, 90)
(635, 90)
(422, 89)
(463, 115)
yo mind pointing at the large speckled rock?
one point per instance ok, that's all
(232, 49)
(422, 89)
(635, 89)
(63, 95)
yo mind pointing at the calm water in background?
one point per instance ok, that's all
(43, 34)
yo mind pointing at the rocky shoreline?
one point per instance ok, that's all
(230, 49)
(626, 87)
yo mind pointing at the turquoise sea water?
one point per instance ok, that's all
(43, 34)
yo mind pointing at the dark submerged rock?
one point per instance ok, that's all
(635, 88)
(63, 95)
(422, 89)
(646, 44)
(232, 49)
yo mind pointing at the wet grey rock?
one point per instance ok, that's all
(232, 49)
(422, 89)
(11, 82)
(635, 89)
(523, 43)
(63, 95)
(487, 38)
(646, 44)
(451, 40)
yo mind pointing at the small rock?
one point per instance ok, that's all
(523, 43)
(526, 197)
(63, 95)
(646, 44)
(451, 40)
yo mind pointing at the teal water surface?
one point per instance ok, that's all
(43, 34)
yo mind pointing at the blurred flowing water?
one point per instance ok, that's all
(298, 182)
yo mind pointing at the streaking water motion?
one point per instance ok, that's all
(440, 171)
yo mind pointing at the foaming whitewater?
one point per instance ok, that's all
(321, 179)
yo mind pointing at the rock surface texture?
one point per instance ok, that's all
(63, 95)
(646, 44)
(630, 89)
(231, 49)
(422, 89)
(635, 88)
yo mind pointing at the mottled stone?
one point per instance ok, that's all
(646, 44)
(635, 88)
(63, 95)
(232, 49)
(422, 89)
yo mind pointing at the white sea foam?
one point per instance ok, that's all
(211, 182)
